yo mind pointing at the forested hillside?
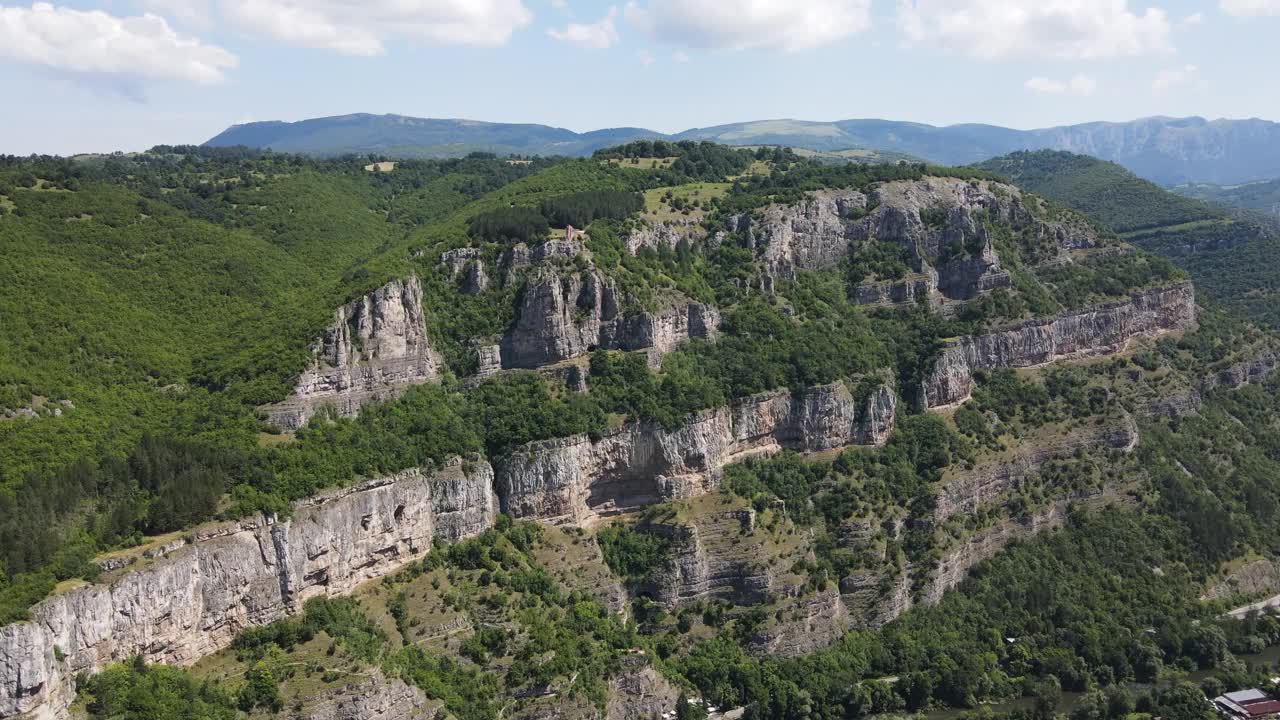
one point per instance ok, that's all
(1262, 196)
(673, 426)
(1226, 253)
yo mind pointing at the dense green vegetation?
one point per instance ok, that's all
(1100, 189)
(1228, 257)
(1262, 197)
(158, 300)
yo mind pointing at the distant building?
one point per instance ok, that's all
(1247, 705)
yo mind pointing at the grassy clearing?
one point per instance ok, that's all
(679, 202)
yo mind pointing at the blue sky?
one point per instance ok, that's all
(127, 74)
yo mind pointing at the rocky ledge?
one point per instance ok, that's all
(376, 347)
(1101, 330)
(377, 698)
(641, 464)
(192, 601)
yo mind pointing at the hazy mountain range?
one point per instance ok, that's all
(1168, 151)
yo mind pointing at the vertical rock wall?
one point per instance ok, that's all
(376, 347)
(191, 602)
(1099, 330)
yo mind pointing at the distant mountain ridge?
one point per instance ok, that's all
(1168, 151)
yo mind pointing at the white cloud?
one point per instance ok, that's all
(1169, 79)
(646, 57)
(191, 13)
(750, 24)
(680, 56)
(1244, 8)
(1195, 18)
(596, 36)
(1081, 85)
(1067, 29)
(359, 28)
(95, 42)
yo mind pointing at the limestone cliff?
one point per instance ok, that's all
(565, 314)
(643, 463)
(939, 222)
(1099, 330)
(717, 553)
(377, 698)
(180, 606)
(964, 492)
(877, 596)
(375, 348)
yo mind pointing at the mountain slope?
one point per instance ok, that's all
(1262, 196)
(582, 435)
(1231, 259)
(1168, 151)
(400, 136)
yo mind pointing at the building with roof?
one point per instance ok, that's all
(1247, 705)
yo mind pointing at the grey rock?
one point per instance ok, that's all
(563, 315)
(828, 226)
(193, 600)
(378, 698)
(1101, 330)
(643, 463)
(375, 349)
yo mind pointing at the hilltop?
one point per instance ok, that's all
(1168, 151)
(1228, 254)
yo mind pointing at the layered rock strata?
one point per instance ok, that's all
(641, 464)
(1100, 330)
(377, 698)
(804, 623)
(566, 315)
(941, 223)
(376, 347)
(178, 607)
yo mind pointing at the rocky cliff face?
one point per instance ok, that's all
(192, 601)
(966, 492)
(1098, 331)
(938, 221)
(717, 554)
(376, 347)
(642, 463)
(377, 698)
(565, 314)
(878, 596)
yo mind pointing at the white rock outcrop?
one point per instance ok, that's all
(640, 464)
(376, 347)
(179, 607)
(1100, 330)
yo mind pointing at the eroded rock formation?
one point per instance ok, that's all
(643, 463)
(565, 314)
(376, 347)
(180, 606)
(377, 698)
(1099, 330)
(941, 223)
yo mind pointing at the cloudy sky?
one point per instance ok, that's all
(128, 74)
